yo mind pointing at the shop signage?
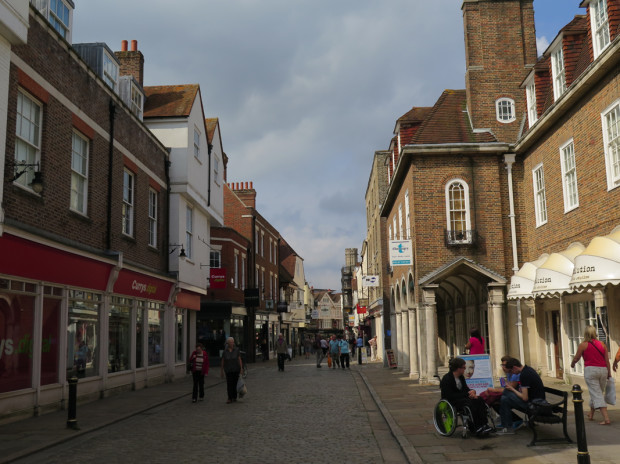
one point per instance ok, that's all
(217, 277)
(370, 281)
(142, 286)
(401, 253)
(594, 270)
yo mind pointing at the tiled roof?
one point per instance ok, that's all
(448, 122)
(211, 124)
(169, 100)
(415, 114)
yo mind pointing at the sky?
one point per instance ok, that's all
(305, 91)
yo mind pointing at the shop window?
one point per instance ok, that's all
(83, 334)
(156, 335)
(140, 334)
(16, 342)
(119, 347)
(179, 336)
(50, 348)
(579, 315)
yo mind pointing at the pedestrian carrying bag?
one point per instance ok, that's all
(241, 388)
(329, 360)
(610, 391)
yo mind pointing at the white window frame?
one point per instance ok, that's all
(137, 101)
(28, 135)
(127, 212)
(400, 222)
(390, 233)
(262, 244)
(569, 176)
(540, 196)
(110, 71)
(236, 277)
(530, 93)
(215, 259)
(197, 135)
(243, 270)
(600, 26)
(189, 231)
(62, 25)
(216, 170)
(452, 211)
(407, 216)
(610, 118)
(558, 72)
(505, 110)
(395, 229)
(79, 173)
(153, 213)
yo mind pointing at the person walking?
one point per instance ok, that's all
(318, 347)
(373, 348)
(475, 345)
(199, 360)
(344, 352)
(360, 347)
(281, 351)
(307, 347)
(231, 368)
(596, 371)
(334, 351)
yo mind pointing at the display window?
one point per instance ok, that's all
(119, 334)
(50, 343)
(179, 334)
(140, 334)
(156, 333)
(83, 334)
(16, 335)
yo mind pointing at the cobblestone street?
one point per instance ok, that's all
(301, 415)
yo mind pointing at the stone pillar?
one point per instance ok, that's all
(496, 327)
(406, 341)
(399, 338)
(414, 366)
(430, 308)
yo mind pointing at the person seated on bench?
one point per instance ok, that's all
(454, 389)
(531, 388)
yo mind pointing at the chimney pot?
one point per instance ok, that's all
(134, 45)
(251, 185)
(124, 46)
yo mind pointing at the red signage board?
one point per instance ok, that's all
(217, 277)
(142, 286)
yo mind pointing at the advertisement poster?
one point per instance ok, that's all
(478, 373)
(401, 253)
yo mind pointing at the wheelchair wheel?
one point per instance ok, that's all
(445, 418)
(468, 422)
(490, 420)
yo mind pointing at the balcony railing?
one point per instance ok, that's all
(461, 237)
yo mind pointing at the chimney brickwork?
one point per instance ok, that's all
(132, 61)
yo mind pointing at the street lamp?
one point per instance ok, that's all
(175, 246)
(21, 167)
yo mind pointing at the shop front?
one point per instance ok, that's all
(64, 314)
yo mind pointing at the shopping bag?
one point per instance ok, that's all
(241, 388)
(329, 361)
(610, 391)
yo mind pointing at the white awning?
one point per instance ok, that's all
(522, 283)
(554, 275)
(599, 263)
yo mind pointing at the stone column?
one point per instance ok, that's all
(406, 341)
(399, 338)
(496, 326)
(414, 367)
(430, 308)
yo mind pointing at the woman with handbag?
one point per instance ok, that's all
(199, 366)
(231, 368)
(596, 372)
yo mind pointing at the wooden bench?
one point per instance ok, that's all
(551, 413)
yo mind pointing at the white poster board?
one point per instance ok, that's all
(478, 374)
(401, 253)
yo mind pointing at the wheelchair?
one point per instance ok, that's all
(446, 419)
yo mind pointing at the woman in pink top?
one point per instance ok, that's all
(596, 372)
(475, 345)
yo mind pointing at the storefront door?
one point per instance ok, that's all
(557, 346)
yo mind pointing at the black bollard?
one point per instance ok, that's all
(583, 457)
(71, 420)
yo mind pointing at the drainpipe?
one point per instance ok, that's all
(167, 216)
(209, 149)
(509, 159)
(112, 109)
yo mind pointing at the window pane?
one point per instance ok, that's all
(119, 335)
(83, 336)
(156, 340)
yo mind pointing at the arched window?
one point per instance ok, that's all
(505, 109)
(457, 208)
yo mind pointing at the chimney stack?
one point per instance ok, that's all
(246, 193)
(132, 62)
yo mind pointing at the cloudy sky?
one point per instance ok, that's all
(306, 91)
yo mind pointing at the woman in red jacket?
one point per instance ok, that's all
(199, 360)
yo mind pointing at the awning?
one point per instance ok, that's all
(554, 275)
(599, 263)
(522, 283)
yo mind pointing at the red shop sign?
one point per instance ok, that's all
(217, 277)
(142, 286)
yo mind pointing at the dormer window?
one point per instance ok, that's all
(137, 101)
(59, 13)
(600, 26)
(558, 72)
(530, 93)
(505, 110)
(110, 71)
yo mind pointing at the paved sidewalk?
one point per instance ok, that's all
(408, 407)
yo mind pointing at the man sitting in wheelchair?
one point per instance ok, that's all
(454, 389)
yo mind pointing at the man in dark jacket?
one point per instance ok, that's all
(454, 389)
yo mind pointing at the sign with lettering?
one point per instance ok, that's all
(401, 253)
(595, 270)
(478, 373)
(142, 286)
(217, 277)
(391, 359)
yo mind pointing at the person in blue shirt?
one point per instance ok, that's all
(344, 352)
(360, 346)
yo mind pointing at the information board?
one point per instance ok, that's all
(391, 359)
(478, 373)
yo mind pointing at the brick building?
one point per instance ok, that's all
(84, 283)
(515, 174)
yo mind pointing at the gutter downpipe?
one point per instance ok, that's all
(509, 159)
(209, 149)
(112, 109)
